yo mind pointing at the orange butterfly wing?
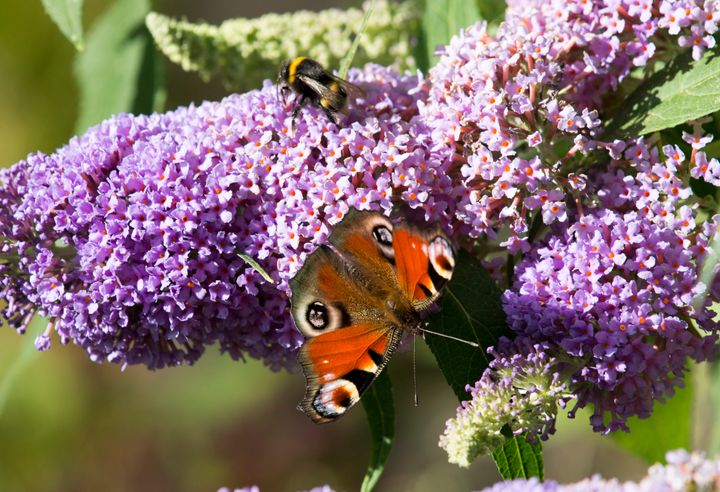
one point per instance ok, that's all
(340, 310)
(353, 300)
(340, 366)
(365, 238)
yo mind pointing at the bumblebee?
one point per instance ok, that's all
(314, 84)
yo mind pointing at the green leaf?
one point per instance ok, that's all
(380, 411)
(67, 14)
(668, 428)
(471, 310)
(442, 19)
(684, 90)
(348, 58)
(151, 90)
(256, 266)
(119, 70)
(517, 458)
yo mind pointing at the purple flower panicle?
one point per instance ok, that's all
(611, 290)
(615, 291)
(128, 237)
(515, 111)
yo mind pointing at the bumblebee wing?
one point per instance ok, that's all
(324, 90)
(350, 88)
(331, 98)
(318, 87)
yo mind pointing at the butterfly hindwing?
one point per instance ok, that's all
(341, 365)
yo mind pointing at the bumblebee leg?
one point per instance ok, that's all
(332, 115)
(298, 107)
(295, 112)
(282, 91)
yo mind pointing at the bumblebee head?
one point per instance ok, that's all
(282, 81)
(284, 73)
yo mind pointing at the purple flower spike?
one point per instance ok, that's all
(128, 237)
(503, 106)
(615, 292)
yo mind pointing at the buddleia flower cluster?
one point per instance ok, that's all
(243, 52)
(134, 238)
(128, 238)
(611, 288)
(684, 471)
(515, 110)
(615, 291)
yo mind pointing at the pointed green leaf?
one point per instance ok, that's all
(471, 310)
(684, 90)
(117, 73)
(348, 58)
(669, 427)
(67, 14)
(151, 92)
(442, 19)
(380, 410)
(256, 266)
(517, 458)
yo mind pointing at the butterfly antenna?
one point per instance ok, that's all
(417, 403)
(468, 342)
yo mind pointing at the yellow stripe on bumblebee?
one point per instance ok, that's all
(292, 71)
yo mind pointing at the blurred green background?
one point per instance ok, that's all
(67, 424)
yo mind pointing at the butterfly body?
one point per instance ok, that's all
(313, 83)
(355, 298)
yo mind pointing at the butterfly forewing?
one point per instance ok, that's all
(365, 239)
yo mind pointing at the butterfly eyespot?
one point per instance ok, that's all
(383, 235)
(334, 398)
(317, 315)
